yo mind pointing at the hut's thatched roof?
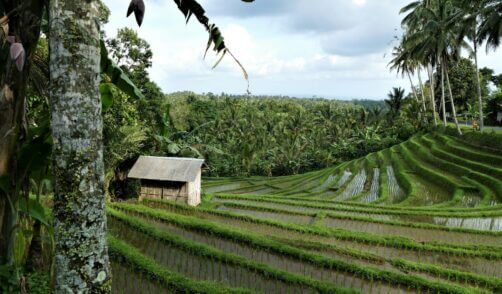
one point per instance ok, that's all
(166, 168)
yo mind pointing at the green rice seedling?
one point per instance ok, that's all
(355, 186)
(319, 205)
(250, 239)
(399, 172)
(375, 273)
(462, 150)
(138, 231)
(130, 262)
(305, 229)
(448, 186)
(486, 143)
(478, 259)
(419, 232)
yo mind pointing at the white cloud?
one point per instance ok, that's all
(333, 48)
(359, 2)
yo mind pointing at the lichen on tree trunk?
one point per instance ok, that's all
(81, 261)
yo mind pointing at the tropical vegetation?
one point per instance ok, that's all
(299, 194)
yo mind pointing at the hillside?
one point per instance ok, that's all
(423, 217)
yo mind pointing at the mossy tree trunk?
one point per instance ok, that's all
(81, 261)
(25, 26)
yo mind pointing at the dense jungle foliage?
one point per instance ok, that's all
(56, 179)
(241, 135)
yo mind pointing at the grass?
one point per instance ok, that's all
(371, 273)
(434, 227)
(198, 249)
(128, 255)
(395, 242)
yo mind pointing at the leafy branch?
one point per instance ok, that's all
(191, 8)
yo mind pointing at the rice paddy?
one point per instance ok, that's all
(421, 217)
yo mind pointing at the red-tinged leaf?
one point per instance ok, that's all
(20, 61)
(15, 50)
(18, 55)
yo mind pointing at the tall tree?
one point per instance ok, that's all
(81, 260)
(491, 23)
(414, 23)
(404, 63)
(471, 12)
(395, 101)
(132, 54)
(435, 39)
(432, 84)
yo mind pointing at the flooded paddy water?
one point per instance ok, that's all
(234, 275)
(478, 265)
(340, 221)
(476, 223)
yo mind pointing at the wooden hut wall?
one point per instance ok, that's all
(194, 198)
(164, 190)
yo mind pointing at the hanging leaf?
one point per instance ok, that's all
(15, 50)
(20, 62)
(18, 55)
(191, 7)
(105, 89)
(220, 59)
(34, 209)
(138, 7)
(117, 75)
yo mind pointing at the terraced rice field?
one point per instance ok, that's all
(421, 217)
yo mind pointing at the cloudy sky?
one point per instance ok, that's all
(325, 48)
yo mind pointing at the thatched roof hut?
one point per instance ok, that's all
(170, 178)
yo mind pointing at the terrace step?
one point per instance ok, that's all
(225, 239)
(134, 272)
(470, 221)
(202, 262)
(371, 226)
(478, 260)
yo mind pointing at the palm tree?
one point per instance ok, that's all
(395, 101)
(490, 28)
(471, 11)
(404, 64)
(413, 23)
(430, 72)
(434, 39)
(421, 86)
